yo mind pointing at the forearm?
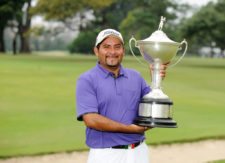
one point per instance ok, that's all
(99, 122)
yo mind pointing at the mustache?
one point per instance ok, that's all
(113, 66)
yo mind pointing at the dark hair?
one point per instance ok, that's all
(98, 46)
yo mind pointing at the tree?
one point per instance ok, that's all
(6, 13)
(145, 17)
(141, 17)
(219, 32)
(50, 37)
(84, 43)
(109, 17)
(138, 18)
(106, 17)
(65, 10)
(207, 26)
(11, 14)
(112, 15)
(24, 21)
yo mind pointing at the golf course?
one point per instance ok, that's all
(38, 107)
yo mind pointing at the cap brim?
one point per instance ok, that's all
(110, 35)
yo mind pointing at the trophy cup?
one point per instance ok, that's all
(155, 107)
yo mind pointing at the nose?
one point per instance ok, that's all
(112, 51)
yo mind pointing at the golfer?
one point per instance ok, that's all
(107, 99)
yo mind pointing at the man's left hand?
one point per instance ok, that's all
(163, 68)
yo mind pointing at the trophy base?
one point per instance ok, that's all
(155, 122)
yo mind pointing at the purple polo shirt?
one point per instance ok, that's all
(118, 98)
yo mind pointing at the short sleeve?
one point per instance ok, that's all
(86, 100)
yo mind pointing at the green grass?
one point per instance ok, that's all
(217, 161)
(37, 102)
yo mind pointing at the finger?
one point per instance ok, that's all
(167, 63)
(147, 128)
(162, 72)
(151, 66)
(163, 67)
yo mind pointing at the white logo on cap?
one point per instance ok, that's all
(111, 33)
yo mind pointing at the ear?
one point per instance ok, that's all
(96, 51)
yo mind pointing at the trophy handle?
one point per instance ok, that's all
(135, 41)
(185, 50)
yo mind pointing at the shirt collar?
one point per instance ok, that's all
(107, 73)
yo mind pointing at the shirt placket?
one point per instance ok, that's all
(117, 86)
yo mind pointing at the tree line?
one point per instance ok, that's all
(15, 15)
(205, 27)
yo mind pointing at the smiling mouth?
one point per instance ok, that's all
(112, 61)
(112, 56)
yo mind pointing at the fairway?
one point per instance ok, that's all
(37, 102)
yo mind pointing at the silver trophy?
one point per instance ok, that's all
(155, 107)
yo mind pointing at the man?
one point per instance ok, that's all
(107, 98)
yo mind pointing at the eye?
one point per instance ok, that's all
(118, 46)
(105, 46)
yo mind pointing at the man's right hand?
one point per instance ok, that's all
(139, 129)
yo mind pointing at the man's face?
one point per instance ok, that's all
(110, 52)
